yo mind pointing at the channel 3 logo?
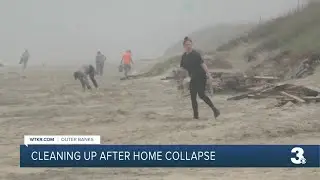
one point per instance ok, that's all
(299, 158)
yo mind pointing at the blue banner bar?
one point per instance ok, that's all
(170, 156)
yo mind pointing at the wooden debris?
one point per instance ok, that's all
(312, 99)
(252, 93)
(261, 96)
(253, 87)
(288, 104)
(284, 93)
(238, 97)
(226, 81)
(266, 77)
(293, 97)
(240, 82)
(263, 77)
(168, 78)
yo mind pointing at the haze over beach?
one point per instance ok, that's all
(72, 31)
(263, 57)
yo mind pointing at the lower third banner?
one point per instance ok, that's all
(169, 156)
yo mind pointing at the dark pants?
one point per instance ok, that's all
(127, 68)
(93, 80)
(85, 82)
(198, 87)
(24, 63)
(99, 67)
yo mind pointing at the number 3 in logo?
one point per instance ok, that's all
(299, 159)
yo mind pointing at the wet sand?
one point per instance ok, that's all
(142, 111)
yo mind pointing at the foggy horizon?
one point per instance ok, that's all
(71, 31)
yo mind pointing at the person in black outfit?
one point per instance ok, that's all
(83, 73)
(192, 61)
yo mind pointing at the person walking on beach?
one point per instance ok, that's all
(100, 59)
(198, 71)
(24, 59)
(126, 62)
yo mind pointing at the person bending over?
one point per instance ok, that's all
(82, 75)
(192, 61)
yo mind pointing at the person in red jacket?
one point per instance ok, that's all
(126, 62)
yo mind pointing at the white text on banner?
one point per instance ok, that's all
(61, 139)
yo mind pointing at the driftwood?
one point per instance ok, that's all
(266, 77)
(312, 98)
(251, 93)
(263, 77)
(168, 78)
(226, 81)
(254, 87)
(262, 96)
(284, 93)
(293, 97)
(240, 82)
(241, 96)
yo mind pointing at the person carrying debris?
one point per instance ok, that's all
(198, 71)
(100, 59)
(82, 75)
(24, 59)
(126, 62)
(179, 75)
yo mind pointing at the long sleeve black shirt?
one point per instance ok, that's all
(192, 63)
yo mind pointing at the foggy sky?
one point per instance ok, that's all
(58, 31)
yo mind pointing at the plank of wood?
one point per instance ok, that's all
(167, 78)
(257, 96)
(292, 96)
(267, 89)
(245, 95)
(311, 98)
(266, 77)
(238, 97)
(260, 96)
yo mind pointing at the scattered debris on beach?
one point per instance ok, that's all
(284, 93)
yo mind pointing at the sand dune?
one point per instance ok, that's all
(142, 111)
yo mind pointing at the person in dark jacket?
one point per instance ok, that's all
(83, 73)
(192, 61)
(100, 59)
(24, 59)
